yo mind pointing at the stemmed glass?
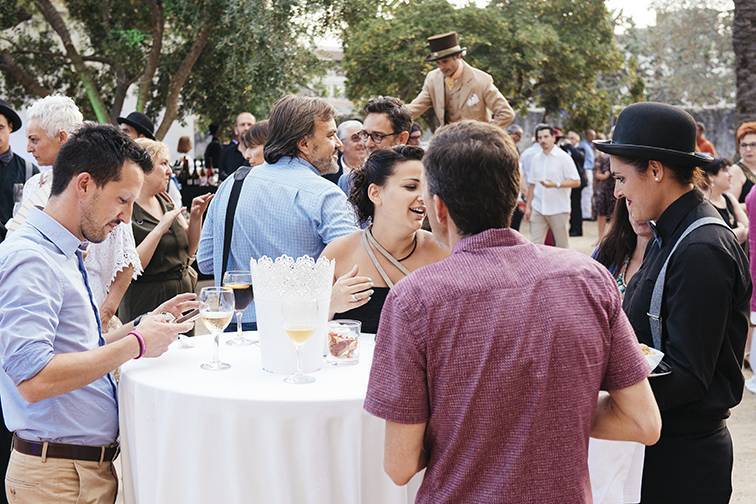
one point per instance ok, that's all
(241, 283)
(300, 320)
(216, 311)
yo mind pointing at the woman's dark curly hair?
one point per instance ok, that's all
(377, 168)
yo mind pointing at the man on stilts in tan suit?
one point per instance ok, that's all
(457, 91)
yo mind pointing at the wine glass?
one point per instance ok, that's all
(300, 320)
(216, 311)
(241, 283)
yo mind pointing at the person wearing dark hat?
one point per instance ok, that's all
(690, 300)
(137, 125)
(457, 91)
(14, 170)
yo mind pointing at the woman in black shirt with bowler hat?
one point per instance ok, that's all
(692, 304)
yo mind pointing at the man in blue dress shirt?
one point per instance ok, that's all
(58, 394)
(285, 205)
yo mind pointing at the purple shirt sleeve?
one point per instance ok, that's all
(398, 387)
(751, 208)
(626, 365)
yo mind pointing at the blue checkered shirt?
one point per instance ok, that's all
(284, 208)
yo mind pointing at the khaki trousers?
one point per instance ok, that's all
(540, 225)
(31, 481)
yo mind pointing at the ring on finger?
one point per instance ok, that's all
(355, 298)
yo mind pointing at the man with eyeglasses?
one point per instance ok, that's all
(457, 91)
(352, 152)
(387, 123)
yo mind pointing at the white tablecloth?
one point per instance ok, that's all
(243, 435)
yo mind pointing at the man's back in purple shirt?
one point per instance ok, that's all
(502, 348)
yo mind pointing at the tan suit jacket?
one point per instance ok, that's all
(481, 100)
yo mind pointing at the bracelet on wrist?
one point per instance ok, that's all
(140, 340)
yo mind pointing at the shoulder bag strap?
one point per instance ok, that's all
(233, 200)
(654, 310)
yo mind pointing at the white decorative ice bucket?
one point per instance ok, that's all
(278, 287)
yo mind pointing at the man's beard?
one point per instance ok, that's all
(94, 233)
(327, 166)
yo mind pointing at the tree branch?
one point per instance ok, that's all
(9, 66)
(180, 77)
(54, 19)
(48, 54)
(145, 81)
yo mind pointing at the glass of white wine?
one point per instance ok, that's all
(300, 319)
(216, 311)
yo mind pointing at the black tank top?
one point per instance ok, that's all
(369, 313)
(728, 213)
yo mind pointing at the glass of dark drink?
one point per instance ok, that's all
(240, 282)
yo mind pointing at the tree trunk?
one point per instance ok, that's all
(179, 79)
(145, 81)
(9, 67)
(744, 45)
(122, 87)
(53, 18)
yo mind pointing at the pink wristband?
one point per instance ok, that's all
(140, 340)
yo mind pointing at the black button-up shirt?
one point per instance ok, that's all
(230, 160)
(705, 312)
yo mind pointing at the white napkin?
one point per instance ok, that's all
(654, 358)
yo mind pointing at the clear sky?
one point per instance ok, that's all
(639, 10)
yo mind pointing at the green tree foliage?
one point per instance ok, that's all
(543, 53)
(210, 57)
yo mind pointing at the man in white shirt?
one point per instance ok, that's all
(551, 176)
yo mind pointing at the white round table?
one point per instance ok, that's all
(243, 435)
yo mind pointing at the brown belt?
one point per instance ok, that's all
(46, 449)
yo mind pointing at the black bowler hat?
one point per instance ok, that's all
(139, 122)
(655, 131)
(10, 115)
(444, 45)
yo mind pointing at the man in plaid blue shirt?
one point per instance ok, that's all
(285, 205)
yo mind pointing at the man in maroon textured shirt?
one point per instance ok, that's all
(483, 371)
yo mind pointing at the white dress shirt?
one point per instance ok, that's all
(558, 167)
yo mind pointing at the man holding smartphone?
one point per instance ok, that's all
(58, 394)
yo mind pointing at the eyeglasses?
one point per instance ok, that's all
(749, 145)
(376, 136)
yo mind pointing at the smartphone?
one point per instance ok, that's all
(189, 316)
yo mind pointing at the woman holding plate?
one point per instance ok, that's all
(386, 192)
(689, 300)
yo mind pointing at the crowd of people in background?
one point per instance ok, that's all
(467, 311)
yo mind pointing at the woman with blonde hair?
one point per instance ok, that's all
(166, 242)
